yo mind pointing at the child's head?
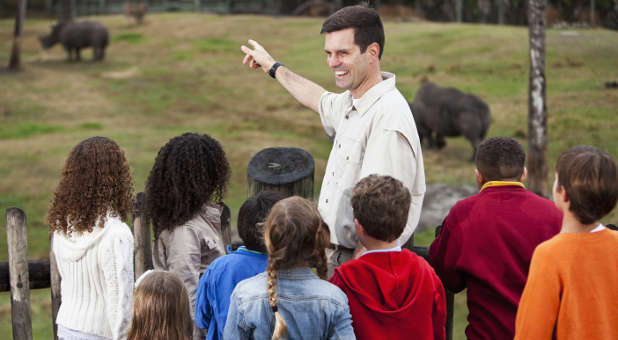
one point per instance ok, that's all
(189, 171)
(500, 159)
(381, 205)
(588, 178)
(295, 236)
(252, 216)
(161, 308)
(96, 179)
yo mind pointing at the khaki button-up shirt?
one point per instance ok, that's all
(378, 136)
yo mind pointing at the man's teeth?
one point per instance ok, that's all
(340, 73)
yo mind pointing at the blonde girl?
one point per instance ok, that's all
(160, 308)
(289, 300)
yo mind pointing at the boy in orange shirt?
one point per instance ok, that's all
(572, 288)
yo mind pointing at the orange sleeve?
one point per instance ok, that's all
(540, 301)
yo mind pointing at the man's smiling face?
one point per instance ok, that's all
(344, 57)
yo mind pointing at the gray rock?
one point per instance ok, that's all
(439, 199)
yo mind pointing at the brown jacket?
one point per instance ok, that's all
(190, 248)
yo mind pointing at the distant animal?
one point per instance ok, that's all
(448, 112)
(75, 36)
(137, 11)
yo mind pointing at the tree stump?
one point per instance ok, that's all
(288, 170)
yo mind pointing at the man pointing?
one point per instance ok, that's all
(370, 123)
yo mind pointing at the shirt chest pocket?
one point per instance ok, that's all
(349, 153)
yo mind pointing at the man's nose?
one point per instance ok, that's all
(332, 61)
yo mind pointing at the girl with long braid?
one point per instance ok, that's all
(289, 301)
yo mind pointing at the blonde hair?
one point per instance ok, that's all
(295, 236)
(161, 308)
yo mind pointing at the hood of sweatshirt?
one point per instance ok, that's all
(72, 248)
(389, 283)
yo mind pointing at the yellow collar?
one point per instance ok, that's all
(500, 184)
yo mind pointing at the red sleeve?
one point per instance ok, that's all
(439, 312)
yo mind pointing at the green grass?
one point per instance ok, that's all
(27, 129)
(182, 72)
(132, 38)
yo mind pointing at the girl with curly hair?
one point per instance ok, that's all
(92, 243)
(160, 308)
(299, 304)
(187, 180)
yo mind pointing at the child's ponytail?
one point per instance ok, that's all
(281, 329)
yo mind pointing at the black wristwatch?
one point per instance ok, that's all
(274, 68)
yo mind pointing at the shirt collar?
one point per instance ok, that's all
(296, 273)
(373, 94)
(244, 250)
(398, 248)
(501, 184)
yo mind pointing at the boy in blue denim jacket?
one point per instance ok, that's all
(224, 273)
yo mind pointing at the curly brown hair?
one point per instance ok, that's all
(96, 179)
(381, 205)
(189, 171)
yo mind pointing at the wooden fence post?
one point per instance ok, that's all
(54, 278)
(17, 241)
(141, 234)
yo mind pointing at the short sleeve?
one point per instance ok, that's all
(331, 110)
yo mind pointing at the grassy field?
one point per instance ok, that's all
(182, 72)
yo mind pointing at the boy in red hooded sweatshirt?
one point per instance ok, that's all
(393, 293)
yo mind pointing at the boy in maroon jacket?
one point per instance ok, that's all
(393, 293)
(487, 240)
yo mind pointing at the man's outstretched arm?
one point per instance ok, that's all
(304, 90)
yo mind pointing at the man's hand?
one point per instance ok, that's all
(257, 57)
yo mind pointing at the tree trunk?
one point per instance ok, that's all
(20, 16)
(537, 107)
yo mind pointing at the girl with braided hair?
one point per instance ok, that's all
(289, 301)
(185, 184)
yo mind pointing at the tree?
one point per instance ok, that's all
(20, 15)
(537, 107)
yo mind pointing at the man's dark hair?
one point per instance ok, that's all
(381, 205)
(590, 179)
(252, 215)
(500, 158)
(366, 22)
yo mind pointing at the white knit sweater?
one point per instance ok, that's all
(97, 279)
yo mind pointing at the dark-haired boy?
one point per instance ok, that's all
(486, 241)
(224, 273)
(572, 289)
(392, 292)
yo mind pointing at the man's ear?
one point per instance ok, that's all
(524, 174)
(374, 50)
